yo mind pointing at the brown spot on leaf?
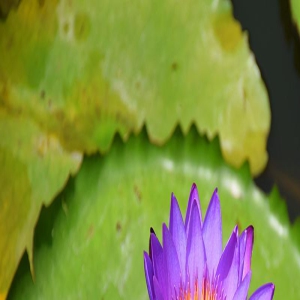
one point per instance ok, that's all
(82, 26)
(90, 232)
(50, 103)
(174, 66)
(43, 94)
(7, 6)
(118, 227)
(137, 85)
(66, 28)
(137, 193)
(41, 3)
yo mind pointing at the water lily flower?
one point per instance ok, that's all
(190, 263)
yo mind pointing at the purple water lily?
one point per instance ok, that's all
(191, 265)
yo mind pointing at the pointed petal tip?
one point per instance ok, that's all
(154, 244)
(174, 203)
(250, 234)
(212, 233)
(194, 195)
(164, 227)
(176, 220)
(236, 230)
(214, 205)
(215, 196)
(250, 227)
(147, 261)
(272, 289)
(194, 189)
(265, 292)
(152, 230)
(193, 198)
(178, 233)
(250, 231)
(227, 256)
(246, 247)
(172, 196)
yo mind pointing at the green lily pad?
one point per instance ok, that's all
(86, 70)
(34, 168)
(295, 8)
(91, 244)
(73, 74)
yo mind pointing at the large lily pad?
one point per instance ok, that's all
(99, 226)
(34, 168)
(86, 70)
(73, 73)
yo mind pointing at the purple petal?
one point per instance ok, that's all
(248, 250)
(159, 266)
(157, 290)
(265, 292)
(171, 258)
(242, 241)
(194, 197)
(212, 234)
(242, 291)
(227, 256)
(149, 275)
(195, 250)
(151, 231)
(230, 283)
(177, 231)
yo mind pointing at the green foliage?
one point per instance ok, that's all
(295, 6)
(86, 70)
(94, 245)
(75, 73)
(34, 168)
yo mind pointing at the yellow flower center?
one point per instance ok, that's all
(207, 292)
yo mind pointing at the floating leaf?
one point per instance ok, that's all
(73, 74)
(295, 7)
(99, 226)
(34, 168)
(86, 70)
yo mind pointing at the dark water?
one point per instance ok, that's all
(274, 39)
